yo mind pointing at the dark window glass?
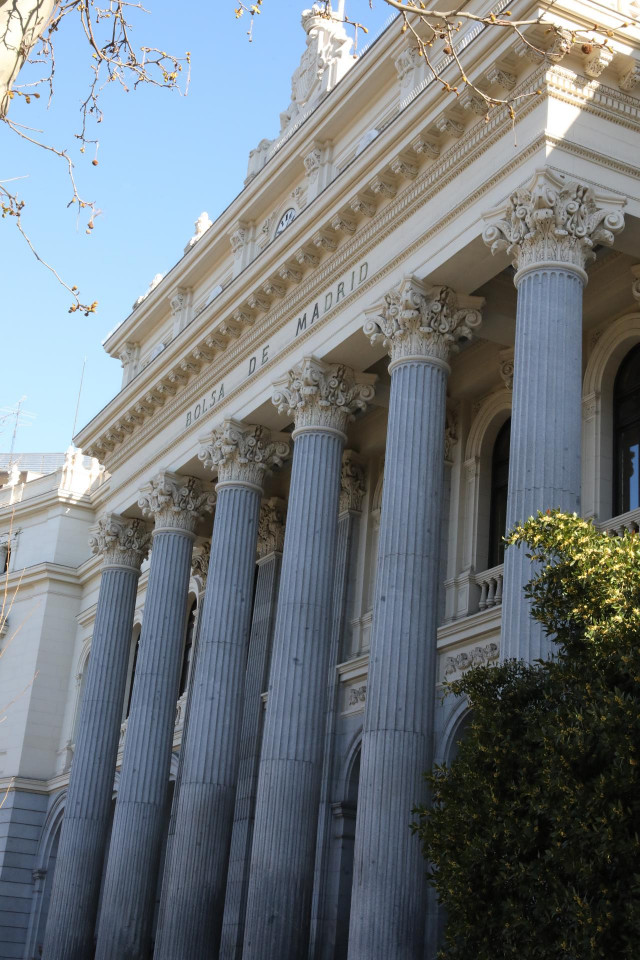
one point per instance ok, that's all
(499, 487)
(626, 425)
(188, 649)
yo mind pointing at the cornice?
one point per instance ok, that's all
(556, 81)
(50, 498)
(39, 572)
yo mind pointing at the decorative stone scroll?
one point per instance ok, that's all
(506, 362)
(243, 453)
(554, 220)
(352, 483)
(635, 283)
(271, 527)
(176, 502)
(318, 394)
(416, 321)
(123, 543)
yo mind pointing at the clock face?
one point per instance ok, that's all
(287, 217)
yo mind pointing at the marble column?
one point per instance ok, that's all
(327, 919)
(76, 884)
(270, 544)
(420, 326)
(195, 884)
(124, 931)
(321, 398)
(549, 229)
(199, 568)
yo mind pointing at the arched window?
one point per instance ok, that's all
(499, 487)
(626, 430)
(188, 649)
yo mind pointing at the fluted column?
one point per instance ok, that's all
(320, 398)
(327, 920)
(199, 568)
(270, 544)
(420, 327)
(176, 504)
(549, 229)
(76, 884)
(196, 880)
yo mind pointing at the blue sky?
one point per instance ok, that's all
(163, 160)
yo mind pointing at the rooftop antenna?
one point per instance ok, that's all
(75, 419)
(20, 418)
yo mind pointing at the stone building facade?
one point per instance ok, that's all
(408, 331)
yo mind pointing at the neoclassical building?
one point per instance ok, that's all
(234, 612)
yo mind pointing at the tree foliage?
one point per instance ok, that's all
(533, 832)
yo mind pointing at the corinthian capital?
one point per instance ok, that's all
(176, 502)
(554, 220)
(415, 321)
(122, 543)
(318, 394)
(271, 527)
(242, 453)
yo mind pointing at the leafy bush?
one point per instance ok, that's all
(533, 833)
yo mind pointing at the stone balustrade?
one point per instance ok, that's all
(625, 523)
(490, 583)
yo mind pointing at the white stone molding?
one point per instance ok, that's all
(553, 221)
(448, 126)
(352, 483)
(130, 360)
(201, 226)
(629, 77)
(306, 258)
(122, 543)
(428, 146)
(242, 453)
(289, 273)
(596, 60)
(271, 527)
(606, 356)
(180, 302)
(324, 240)
(501, 78)
(506, 364)
(402, 166)
(312, 163)
(322, 395)
(417, 321)
(473, 102)
(363, 205)
(158, 278)
(176, 502)
(384, 186)
(342, 223)
(478, 656)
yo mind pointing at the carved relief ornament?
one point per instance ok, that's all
(122, 543)
(416, 321)
(200, 560)
(352, 483)
(243, 453)
(271, 527)
(554, 220)
(176, 502)
(322, 395)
